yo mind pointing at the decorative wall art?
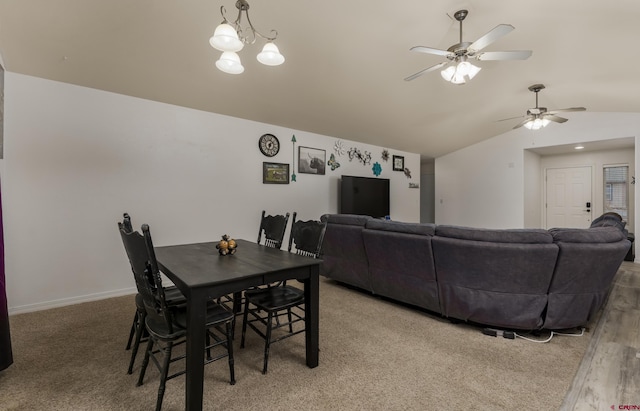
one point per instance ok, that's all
(275, 173)
(385, 155)
(407, 172)
(364, 158)
(311, 160)
(338, 148)
(293, 162)
(377, 169)
(332, 162)
(398, 163)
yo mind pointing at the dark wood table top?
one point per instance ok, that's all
(200, 265)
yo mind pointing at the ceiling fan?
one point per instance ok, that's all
(459, 54)
(539, 117)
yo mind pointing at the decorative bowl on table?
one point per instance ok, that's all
(227, 246)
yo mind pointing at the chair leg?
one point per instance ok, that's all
(232, 372)
(267, 342)
(244, 323)
(145, 362)
(289, 317)
(136, 343)
(165, 373)
(208, 344)
(134, 327)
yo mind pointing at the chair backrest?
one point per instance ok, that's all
(307, 236)
(274, 228)
(126, 223)
(143, 262)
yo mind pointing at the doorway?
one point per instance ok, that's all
(568, 197)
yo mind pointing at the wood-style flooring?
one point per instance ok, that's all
(609, 375)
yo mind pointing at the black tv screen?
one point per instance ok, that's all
(365, 196)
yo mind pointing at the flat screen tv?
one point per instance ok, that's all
(365, 196)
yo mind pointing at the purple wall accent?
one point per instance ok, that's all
(6, 356)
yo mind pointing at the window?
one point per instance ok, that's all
(616, 190)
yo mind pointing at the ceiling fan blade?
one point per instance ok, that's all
(504, 55)
(497, 32)
(431, 50)
(510, 118)
(555, 118)
(564, 110)
(523, 122)
(428, 69)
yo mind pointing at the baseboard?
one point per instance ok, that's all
(69, 301)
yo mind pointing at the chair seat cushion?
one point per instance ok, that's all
(275, 298)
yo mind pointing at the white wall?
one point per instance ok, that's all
(427, 192)
(483, 185)
(77, 158)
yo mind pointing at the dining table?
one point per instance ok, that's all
(202, 274)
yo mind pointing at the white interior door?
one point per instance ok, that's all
(568, 196)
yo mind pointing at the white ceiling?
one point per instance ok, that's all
(345, 61)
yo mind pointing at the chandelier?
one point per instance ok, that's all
(230, 37)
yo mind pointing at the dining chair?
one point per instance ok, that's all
(273, 227)
(166, 325)
(138, 333)
(270, 234)
(264, 307)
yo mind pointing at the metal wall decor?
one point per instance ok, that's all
(293, 175)
(338, 148)
(385, 155)
(377, 169)
(332, 162)
(364, 158)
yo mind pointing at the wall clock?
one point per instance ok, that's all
(269, 145)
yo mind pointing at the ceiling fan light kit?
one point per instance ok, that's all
(458, 69)
(230, 37)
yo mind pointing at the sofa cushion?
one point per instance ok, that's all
(522, 236)
(399, 227)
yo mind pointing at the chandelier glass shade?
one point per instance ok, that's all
(229, 62)
(460, 73)
(536, 123)
(230, 37)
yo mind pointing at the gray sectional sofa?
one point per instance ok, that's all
(526, 279)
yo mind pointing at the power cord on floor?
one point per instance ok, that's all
(512, 335)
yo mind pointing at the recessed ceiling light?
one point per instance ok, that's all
(579, 147)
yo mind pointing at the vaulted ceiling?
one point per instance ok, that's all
(345, 61)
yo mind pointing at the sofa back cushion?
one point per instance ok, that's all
(587, 263)
(522, 236)
(401, 262)
(498, 277)
(343, 254)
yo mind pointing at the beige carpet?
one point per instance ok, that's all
(375, 355)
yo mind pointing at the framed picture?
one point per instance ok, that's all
(398, 163)
(275, 173)
(311, 160)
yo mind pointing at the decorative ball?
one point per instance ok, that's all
(226, 246)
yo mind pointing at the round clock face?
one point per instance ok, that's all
(269, 145)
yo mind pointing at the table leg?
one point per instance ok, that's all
(196, 315)
(312, 315)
